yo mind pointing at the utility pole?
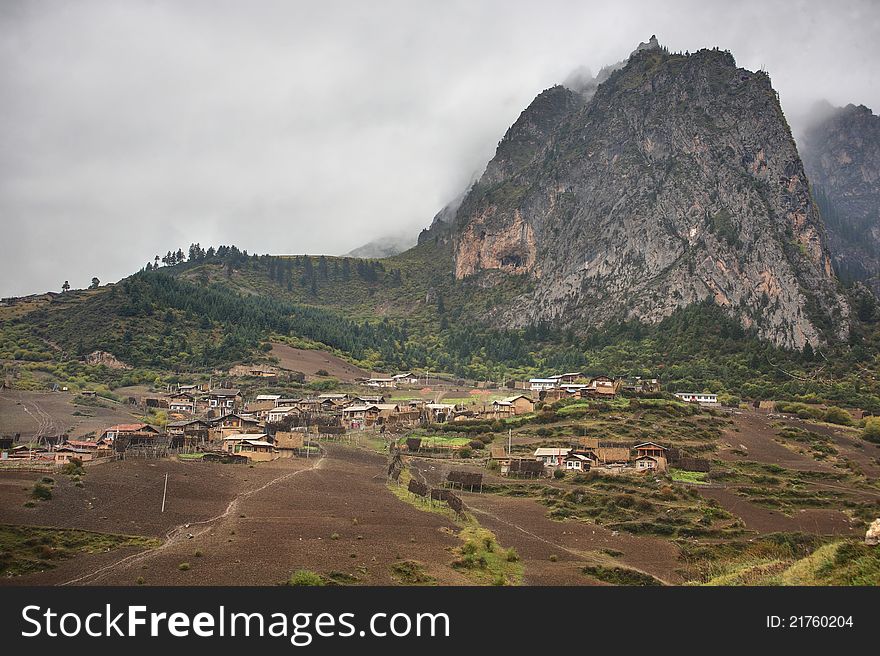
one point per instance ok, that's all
(164, 492)
(509, 440)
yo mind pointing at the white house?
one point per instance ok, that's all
(538, 384)
(279, 413)
(698, 397)
(551, 456)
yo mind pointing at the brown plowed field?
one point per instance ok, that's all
(253, 526)
(310, 362)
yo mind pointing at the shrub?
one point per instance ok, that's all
(835, 415)
(140, 580)
(558, 474)
(553, 558)
(305, 577)
(42, 492)
(322, 372)
(872, 430)
(464, 452)
(334, 536)
(183, 567)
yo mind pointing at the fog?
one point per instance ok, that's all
(131, 128)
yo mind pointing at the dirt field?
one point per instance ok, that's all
(754, 434)
(310, 362)
(253, 526)
(52, 413)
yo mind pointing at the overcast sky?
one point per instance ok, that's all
(130, 128)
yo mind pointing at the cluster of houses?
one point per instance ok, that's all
(574, 384)
(589, 453)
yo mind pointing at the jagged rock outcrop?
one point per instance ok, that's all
(674, 181)
(107, 359)
(841, 152)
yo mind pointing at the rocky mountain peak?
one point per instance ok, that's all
(677, 181)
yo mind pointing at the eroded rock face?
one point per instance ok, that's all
(676, 181)
(107, 359)
(842, 157)
(872, 536)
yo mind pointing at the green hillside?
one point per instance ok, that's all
(407, 312)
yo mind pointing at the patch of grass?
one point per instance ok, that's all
(620, 576)
(482, 560)
(183, 567)
(410, 572)
(305, 577)
(682, 476)
(25, 549)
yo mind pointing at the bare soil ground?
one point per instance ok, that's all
(310, 362)
(764, 520)
(52, 413)
(252, 526)
(755, 436)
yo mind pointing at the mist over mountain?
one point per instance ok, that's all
(841, 152)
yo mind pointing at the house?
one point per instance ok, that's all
(538, 384)
(521, 403)
(407, 378)
(523, 467)
(553, 395)
(97, 447)
(224, 400)
(567, 378)
(650, 449)
(252, 446)
(367, 399)
(641, 385)
(277, 414)
(266, 397)
(260, 409)
(380, 382)
(439, 413)
(187, 433)
(601, 387)
(182, 402)
(579, 461)
(234, 423)
(114, 433)
(288, 401)
(698, 397)
(649, 463)
(360, 416)
(500, 410)
(65, 454)
(551, 456)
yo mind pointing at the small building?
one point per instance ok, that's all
(380, 382)
(190, 433)
(523, 468)
(521, 403)
(406, 378)
(182, 402)
(440, 413)
(252, 446)
(567, 378)
(579, 461)
(552, 456)
(650, 463)
(277, 414)
(538, 384)
(64, 454)
(225, 400)
(114, 433)
(698, 397)
(357, 417)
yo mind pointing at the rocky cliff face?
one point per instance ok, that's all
(674, 181)
(841, 153)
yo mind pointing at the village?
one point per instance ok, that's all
(220, 423)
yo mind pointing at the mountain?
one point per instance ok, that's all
(842, 157)
(673, 181)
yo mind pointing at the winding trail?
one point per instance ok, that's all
(182, 531)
